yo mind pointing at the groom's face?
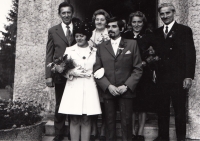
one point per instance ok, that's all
(66, 15)
(113, 30)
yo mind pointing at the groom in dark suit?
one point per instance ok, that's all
(176, 69)
(59, 37)
(121, 61)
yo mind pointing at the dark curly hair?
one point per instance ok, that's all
(84, 28)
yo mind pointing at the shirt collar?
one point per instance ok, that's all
(70, 26)
(117, 41)
(169, 26)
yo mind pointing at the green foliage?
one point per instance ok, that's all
(15, 114)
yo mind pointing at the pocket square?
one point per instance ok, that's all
(128, 52)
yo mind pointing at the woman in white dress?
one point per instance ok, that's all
(80, 98)
(99, 35)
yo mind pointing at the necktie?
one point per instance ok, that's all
(166, 29)
(68, 35)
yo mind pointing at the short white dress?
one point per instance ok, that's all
(80, 95)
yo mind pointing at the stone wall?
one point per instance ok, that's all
(194, 94)
(34, 19)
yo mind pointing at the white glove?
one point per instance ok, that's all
(78, 72)
(99, 73)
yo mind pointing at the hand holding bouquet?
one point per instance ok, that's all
(151, 57)
(62, 65)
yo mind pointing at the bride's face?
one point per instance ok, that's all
(81, 40)
(100, 22)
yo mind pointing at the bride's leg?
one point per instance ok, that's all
(75, 127)
(85, 128)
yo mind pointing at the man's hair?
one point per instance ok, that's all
(65, 4)
(100, 12)
(137, 14)
(120, 23)
(170, 5)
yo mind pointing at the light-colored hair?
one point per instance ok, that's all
(137, 14)
(170, 5)
(100, 12)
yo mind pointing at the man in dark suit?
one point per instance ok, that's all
(176, 69)
(59, 37)
(120, 58)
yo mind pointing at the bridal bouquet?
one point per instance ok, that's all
(150, 56)
(62, 65)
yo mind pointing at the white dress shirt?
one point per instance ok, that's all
(169, 26)
(64, 27)
(115, 44)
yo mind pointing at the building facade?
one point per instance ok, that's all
(35, 17)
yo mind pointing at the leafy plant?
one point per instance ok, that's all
(14, 114)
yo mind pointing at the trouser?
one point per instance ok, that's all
(177, 94)
(125, 107)
(59, 119)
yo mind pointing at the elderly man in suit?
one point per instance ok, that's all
(120, 58)
(59, 37)
(176, 69)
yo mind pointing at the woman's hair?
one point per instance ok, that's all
(171, 6)
(137, 14)
(100, 12)
(84, 28)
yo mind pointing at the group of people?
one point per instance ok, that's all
(117, 69)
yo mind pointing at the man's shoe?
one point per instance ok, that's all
(58, 138)
(140, 138)
(161, 139)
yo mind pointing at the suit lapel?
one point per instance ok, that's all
(173, 29)
(108, 46)
(122, 45)
(60, 33)
(161, 33)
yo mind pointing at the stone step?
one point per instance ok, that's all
(150, 130)
(50, 138)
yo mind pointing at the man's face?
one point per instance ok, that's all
(167, 15)
(113, 30)
(66, 15)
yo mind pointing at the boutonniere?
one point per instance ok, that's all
(120, 49)
(172, 34)
(140, 36)
(91, 50)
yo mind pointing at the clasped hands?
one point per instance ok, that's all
(79, 72)
(116, 91)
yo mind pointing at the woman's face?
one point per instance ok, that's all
(81, 40)
(100, 22)
(137, 24)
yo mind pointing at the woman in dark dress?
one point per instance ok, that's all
(146, 86)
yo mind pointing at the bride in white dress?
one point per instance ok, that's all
(80, 98)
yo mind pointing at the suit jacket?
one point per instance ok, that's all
(55, 48)
(124, 68)
(177, 54)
